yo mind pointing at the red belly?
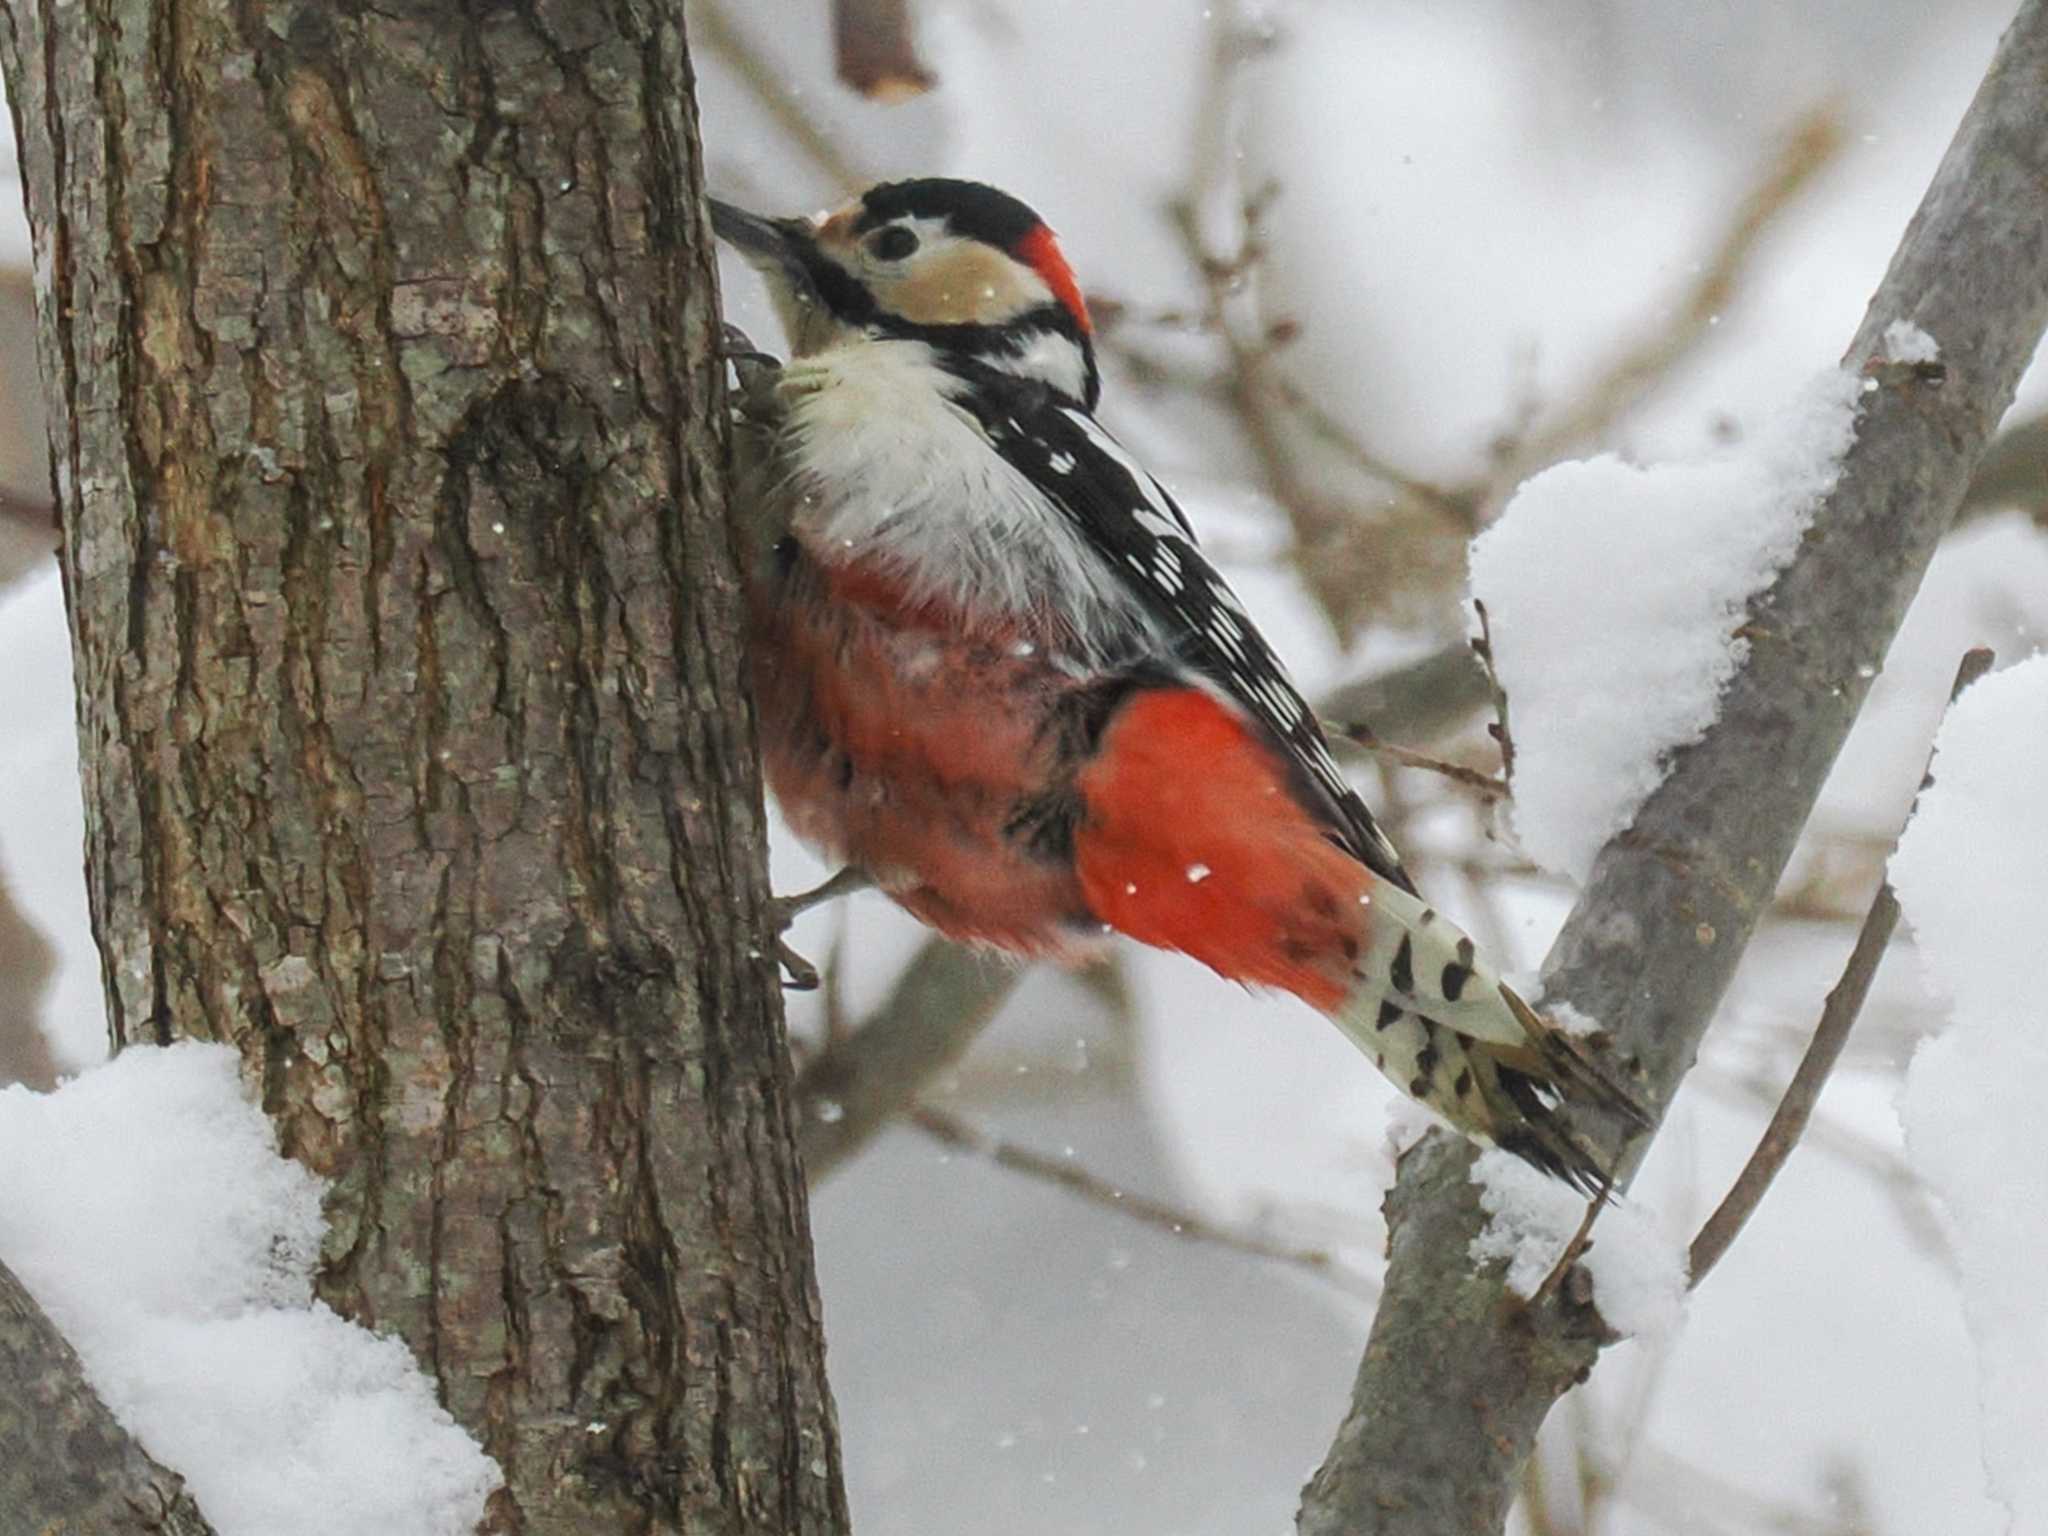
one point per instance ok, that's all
(896, 740)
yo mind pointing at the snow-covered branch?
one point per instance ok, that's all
(1456, 1379)
(65, 1464)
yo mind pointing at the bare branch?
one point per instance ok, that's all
(875, 52)
(1458, 505)
(858, 1084)
(1482, 650)
(1449, 1396)
(65, 1464)
(1357, 553)
(1482, 784)
(2013, 472)
(1838, 1016)
(1417, 701)
(961, 1136)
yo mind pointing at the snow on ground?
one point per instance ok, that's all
(1615, 591)
(146, 1208)
(1972, 875)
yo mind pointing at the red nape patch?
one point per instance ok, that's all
(1041, 252)
(1191, 839)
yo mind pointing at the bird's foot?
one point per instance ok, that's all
(757, 372)
(784, 910)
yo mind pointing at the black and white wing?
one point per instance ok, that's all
(1148, 541)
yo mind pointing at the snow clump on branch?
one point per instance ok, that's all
(1616, 595)
(1638, 1266)
(147, 1210)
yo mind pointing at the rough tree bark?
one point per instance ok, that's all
(1457, 1377)
(385, 413)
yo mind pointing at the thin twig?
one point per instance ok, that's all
(1884, 1167)
(1459, 505)
(1838, 1016)
(961, 1136)
(857, 1085)
(1482, 647)
(1361, 735)
(1419, 700)
(1332, 530)
(1576, 1248)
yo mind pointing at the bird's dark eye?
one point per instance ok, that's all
(893, 243)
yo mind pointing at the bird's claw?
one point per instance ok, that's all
(756, 370)
(736, 346)
(800, 974)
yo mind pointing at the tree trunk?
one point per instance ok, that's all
(386, 420)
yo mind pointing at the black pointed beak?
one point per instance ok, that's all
(786, 252)
(782, 242)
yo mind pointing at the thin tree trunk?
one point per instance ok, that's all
(1457, 1377)
(380, 346)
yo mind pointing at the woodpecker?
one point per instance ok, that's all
(994, 671)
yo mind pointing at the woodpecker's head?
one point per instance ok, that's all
(961, 266)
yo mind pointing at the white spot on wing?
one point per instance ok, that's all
(1159, 514)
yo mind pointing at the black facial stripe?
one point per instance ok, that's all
(838, 289)
(965, 348)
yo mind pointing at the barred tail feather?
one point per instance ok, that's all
(1170, 857)
(1580, 1075)
(1435, 1017)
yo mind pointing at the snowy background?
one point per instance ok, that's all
(1473, 212)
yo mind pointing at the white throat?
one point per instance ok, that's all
(888, 467)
